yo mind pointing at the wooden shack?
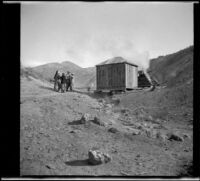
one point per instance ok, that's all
(116, 74)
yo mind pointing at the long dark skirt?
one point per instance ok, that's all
(57, 85)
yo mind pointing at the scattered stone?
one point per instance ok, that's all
(138, 155)
(108, 106)
(96, 120)
(102, 101)
(162, 136)
(175, 136)
(186, 135)
(107, 111)
(124, 173)
(149, 118)
(50, 166)
(113, 130)
(138, 163)
(135, 131)
(158, 120)
(97, 157)
(114, 151)
(72, 131)
(85, 118)
(152, 133)
(138, 125)
(125, 111)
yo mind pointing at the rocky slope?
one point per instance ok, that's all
(145, 133)
(173, 69)
(53, 141)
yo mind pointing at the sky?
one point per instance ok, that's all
(87, 33)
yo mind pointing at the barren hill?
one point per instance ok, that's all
(173, 69)
(47, 71)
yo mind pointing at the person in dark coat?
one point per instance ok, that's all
(63, 82)
(57, 81)
(67, 80)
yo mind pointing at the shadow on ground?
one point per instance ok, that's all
(75, 122)
(48, 88)
(78, 163)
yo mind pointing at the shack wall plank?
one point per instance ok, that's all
(117, 76)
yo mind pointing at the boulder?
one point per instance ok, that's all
(175, 136)
(186, 135)
(97, 121)
(108, 105)
(112, 130)
(97, 157)
(85, 118)
(138, 125)
(162, 136)
(151, 133)
(135, 131)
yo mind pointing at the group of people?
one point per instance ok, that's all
(63, 81)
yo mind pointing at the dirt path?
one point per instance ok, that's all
(52, 143)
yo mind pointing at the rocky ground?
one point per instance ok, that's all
(141, 136)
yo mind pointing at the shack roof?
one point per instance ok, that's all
(116, 60)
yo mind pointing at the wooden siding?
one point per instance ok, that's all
(131, 76)
(111, 77)
(116, 76)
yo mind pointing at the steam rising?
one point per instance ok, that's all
(97, 50)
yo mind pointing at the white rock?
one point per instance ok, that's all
(152, 133)
(97, 157)
(135, 131)
(96, 120)
(162, 136)
(85, 118)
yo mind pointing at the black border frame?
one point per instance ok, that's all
(10, 95)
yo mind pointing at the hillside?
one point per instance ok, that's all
(173, 69)
(141, 131)
(47, 71)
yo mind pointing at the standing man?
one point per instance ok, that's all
(59, 82)
(67, 80)
(63, 82)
